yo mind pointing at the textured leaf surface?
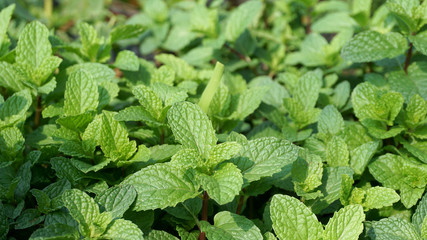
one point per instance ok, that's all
(372, 46)
(192, 127)
(346, 224)
(337, 152)
(263, 157)
(224, 184)
(393, 229)
(330, 121)
(117, 199)
(420, 213)
(238, 226)
(293, 220)
(162, 185)
(379, 197)
(81, 94)
(55, 231)
(149, 100)
(114, 139)
(82, 208)
(122, 230)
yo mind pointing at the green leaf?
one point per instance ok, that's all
(400, 174)
(369, 102)
(125, 31)
(43, 200)
(99, 72)
(33, 48)
(263, 157)
(168, 94)
(330, 121)
(5, 16)
(191, 127)
(307, 90)
(393, 228)
(81, 94)
(224, 185)
(136, 113)
(379, 197)
(223, 152)
(248, 102)
(149, 100)
(361, 155)
(82, 208)
(239, 227)
(182, 69)
(156, 234)
(371, 46)
(307, 172)
(347, 224)
(403, 13)
(161, 186)
(122, 230)
(127, 60)
(293, 220)
(117, 199)
(28, 218)
(418, 218)
(114, 139)
(416, 110)
(55, 231)
(10, 77)
(64, 169)
(11, 143)
(242, 17)
(14, 108)
(419, 42)
(108, 91)
(337, 152)
(333, 23)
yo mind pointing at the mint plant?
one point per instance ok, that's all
(159, 119)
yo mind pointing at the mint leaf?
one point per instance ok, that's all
(330, 121)
(157, 234)
(347, 223)
(149, 100)
(223, 152)
(82, 208)
(161, 186)
(127, 60)
(123, 229)
(241, 18)
(372, 46)
(13, 110)
(337, 152)
(393, 228)
(5, 16)
(307, 172)
(10, 78)
(55, 231)
(236, 227)
(379, 197)
(81, 94)
(117, 199)
(263, 157)
(182, 69)
(419, 41)
(293, 220)
(99, 72)
(418, 218)
(416, 110)
(191, 127)
(361, 155)
(224, 184)
(114, 139)
(307, 90)
(125, 32)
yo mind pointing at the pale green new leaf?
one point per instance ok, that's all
(157, 234)
(307, 172)
(379, 197)
(393, 229)
(360, 156)
(81, 94)
(416, 110)
(239, 227)
(33, 46)
(183, 70)
(241, 18)
(372, 46)
(337, 152)
(162, 185)
(293, 220)
(114, 139)
(5, 16)
(149, 100)
(14, 108)
(263, 157)
(136, 113)
(223, 152)
(187, 158)
(127, 60)
(346, 224)
(10, 78)
(125, 31)
(11, 143)
(192, 127)
(307, 90)
(123, 230)
(99, 72)
(224, 184)
(117, 199)
(82, 208)
(420, 42)
(330, 121)
(248, 102)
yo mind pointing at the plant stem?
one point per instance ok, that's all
(210, 90)
(240, 204)
(408, 58)
(202, 235)
(38, 112)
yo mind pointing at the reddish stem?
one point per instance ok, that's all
(408, 58)
(240, 204)
(202, 235)
(38, 112)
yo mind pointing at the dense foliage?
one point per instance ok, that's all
(167, 119)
